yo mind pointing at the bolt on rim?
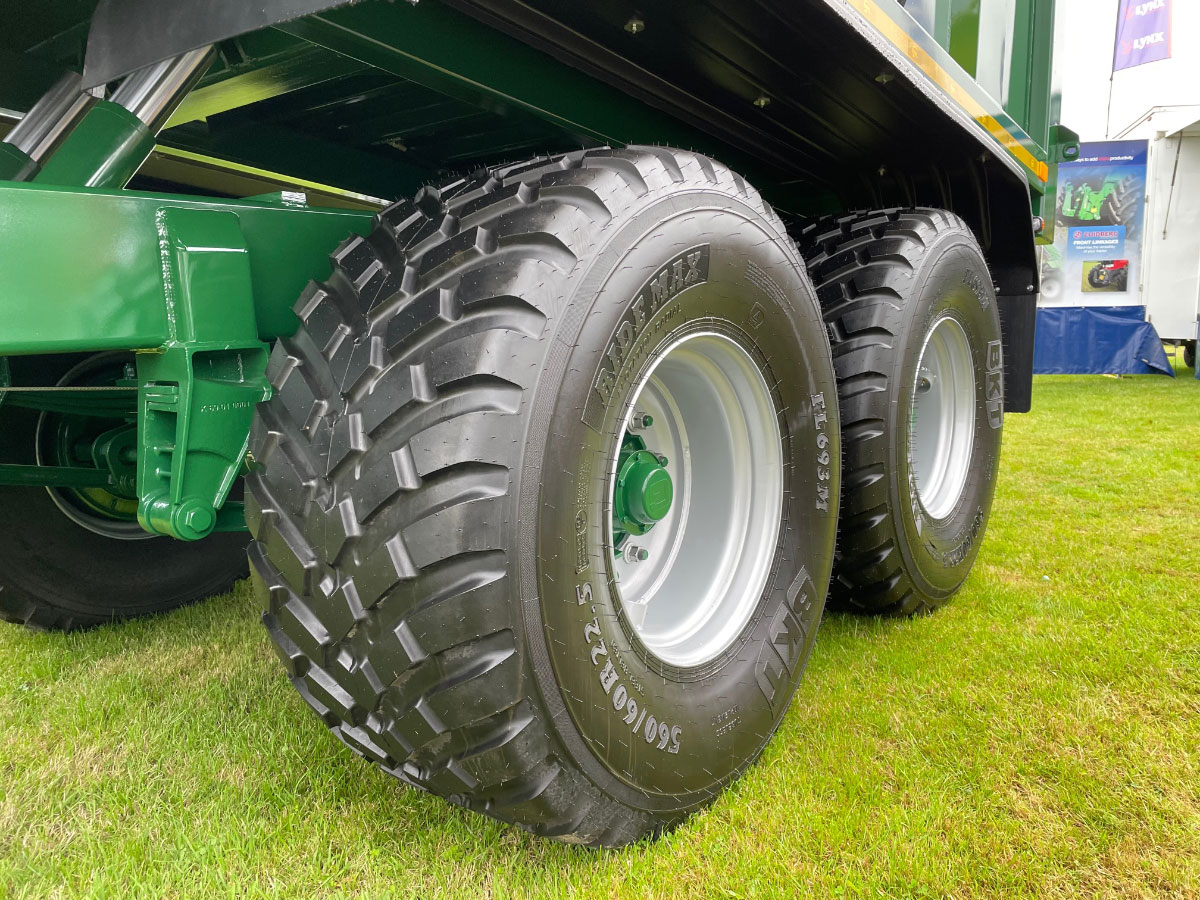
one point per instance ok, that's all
(942, 430)
(691, 572)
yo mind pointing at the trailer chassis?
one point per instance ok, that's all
(197, 289)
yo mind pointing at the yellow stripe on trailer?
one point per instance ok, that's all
(906, 44)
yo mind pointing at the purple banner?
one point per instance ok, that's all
(1143, 33)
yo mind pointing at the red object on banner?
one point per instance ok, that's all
(1143, 33)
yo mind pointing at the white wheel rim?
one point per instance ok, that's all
(709, 558)
(942, 432)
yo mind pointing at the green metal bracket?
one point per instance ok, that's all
(198, 288)
(231, 516)
(198, 391)
(116, 452)
(1064, 144)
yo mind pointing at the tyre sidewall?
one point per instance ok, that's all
(717, 716)
(952, 280)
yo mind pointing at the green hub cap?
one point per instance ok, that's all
(643, 493)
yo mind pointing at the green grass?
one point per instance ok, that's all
(1040, 736)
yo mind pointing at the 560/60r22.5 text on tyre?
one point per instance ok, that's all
(548, 496)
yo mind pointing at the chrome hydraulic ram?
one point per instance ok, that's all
(112, 141)
(42, 130)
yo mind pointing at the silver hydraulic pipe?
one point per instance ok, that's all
(153, 93)
(43, 129)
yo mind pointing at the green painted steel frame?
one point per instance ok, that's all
(82, 269)
(197, 287)
(200, 287)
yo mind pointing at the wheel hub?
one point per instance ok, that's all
(697, 493)
(644, 489)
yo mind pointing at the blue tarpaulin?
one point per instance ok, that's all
(1113, 340)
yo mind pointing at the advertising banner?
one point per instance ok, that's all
(1096, 257)
(1143, 33)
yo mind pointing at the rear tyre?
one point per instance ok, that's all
(75, 559)
(548, 499)
(912, 320)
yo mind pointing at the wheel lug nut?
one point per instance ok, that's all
(662, 460)
(641, 420)
(637, 554)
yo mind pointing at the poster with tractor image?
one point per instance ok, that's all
(1096, 256)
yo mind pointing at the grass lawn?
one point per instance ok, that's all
(1040, 736)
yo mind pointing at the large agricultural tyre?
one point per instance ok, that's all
(76, 558)
(913, 324)
(547, 501)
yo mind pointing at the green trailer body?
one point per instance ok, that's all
(880, 106)
(175, 177)
(380, 99)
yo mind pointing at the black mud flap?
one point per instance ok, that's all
(1018, 315)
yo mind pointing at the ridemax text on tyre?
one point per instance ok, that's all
(913, 324)
(547, 496)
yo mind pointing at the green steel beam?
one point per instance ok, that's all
(222, 176)
(198, 287)
(53, 476)
(301, 156)
(82, 268)
(441, 49)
